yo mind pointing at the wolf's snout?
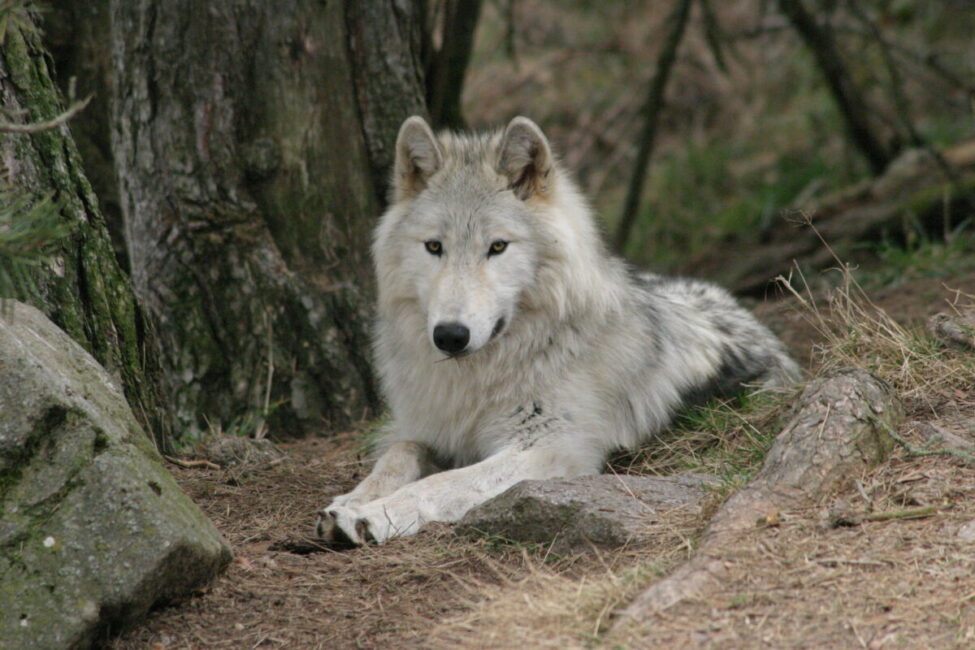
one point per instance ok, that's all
(451, 337)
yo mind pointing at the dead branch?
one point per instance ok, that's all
(912, 191)
(47, 125)
(915, 450)
(189, 464)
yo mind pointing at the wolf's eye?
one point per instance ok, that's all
(434, 247)
(497, 247)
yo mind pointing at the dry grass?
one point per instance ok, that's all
(895, 584)
(855, 332)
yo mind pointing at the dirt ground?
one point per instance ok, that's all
(901, 583)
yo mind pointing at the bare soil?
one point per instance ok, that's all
(801, 583)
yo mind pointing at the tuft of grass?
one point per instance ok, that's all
(857, 333)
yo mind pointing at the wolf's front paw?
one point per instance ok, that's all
(342, 527)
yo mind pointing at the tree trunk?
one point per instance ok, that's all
(449, 63)
(75, 35)
(83, 290)
(819, 39)
(246, 136)
(386, 56)
(677, 21)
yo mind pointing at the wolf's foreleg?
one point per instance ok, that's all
(402, 463)
(447, 496)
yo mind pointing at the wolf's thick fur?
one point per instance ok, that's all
(511, 345)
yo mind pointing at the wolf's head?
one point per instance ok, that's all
(463, 238)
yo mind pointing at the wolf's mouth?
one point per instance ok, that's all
(498, 327)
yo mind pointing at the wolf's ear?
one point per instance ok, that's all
(418, 157)
(525, 158)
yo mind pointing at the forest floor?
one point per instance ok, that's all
(801, 583)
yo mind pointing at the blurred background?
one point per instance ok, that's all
(754, 120)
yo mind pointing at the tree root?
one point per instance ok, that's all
(954, 329)
(840, 423)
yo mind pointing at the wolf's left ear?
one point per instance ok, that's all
(525, 158)
(418, 157)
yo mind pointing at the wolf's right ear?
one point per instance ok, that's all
(525, 158)
(418, 157)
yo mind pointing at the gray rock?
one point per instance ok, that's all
(93, 530)
(575, 515)
(232, 451)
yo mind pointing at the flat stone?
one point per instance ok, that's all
(576, 515)
(967, 532)
(93, 529)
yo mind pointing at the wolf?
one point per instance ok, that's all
(511, 345)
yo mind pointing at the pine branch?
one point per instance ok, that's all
(30, 231)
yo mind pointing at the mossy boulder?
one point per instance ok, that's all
(93, 529)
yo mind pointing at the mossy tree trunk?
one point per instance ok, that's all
(83, 289)
(252, 140)
(76, 35)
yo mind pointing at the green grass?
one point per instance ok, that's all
(923, 256)
(725, 438)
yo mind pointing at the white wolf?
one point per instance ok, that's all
(511, 346)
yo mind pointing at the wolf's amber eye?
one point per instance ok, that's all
(434, 247)
(497, 247)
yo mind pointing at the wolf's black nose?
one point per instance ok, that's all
(451, 337)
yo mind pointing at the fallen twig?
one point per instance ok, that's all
(908, 513)
(189, 464)
(846, 519)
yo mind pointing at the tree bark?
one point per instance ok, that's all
(246, 136)
(819, 39)
(83, 290)
(386, 39)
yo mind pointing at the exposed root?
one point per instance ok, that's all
(840, 423)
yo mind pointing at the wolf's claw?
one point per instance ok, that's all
(332, 532)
